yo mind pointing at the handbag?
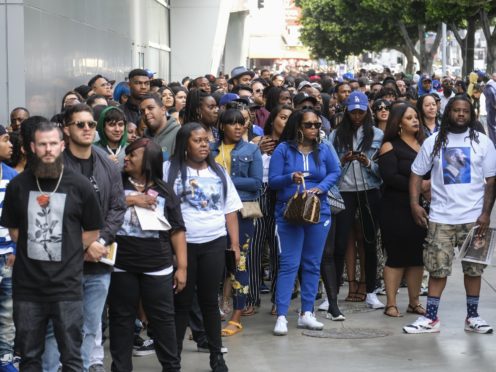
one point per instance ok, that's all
(335, 200)
(251, 209)
(230, 261)
(303, 207)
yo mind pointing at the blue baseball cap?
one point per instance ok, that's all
(226, 98)
(357, 101)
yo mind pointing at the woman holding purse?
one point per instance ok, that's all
(299, 159)
(243, 162)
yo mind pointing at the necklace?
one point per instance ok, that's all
(44, 199)
(135, 184)
(117, 151)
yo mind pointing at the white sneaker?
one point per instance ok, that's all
(337, 318)
(477, 325)
(373, 302)
(324, 306)
(281, 328)
(308, 321)
(423, 325)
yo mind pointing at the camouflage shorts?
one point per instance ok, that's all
(439, 249)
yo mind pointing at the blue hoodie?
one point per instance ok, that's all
(286, 160)
(420, 89)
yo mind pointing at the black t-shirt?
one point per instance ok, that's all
(148, 251)
(49, 260)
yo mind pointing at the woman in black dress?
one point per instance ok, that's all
(402, 238)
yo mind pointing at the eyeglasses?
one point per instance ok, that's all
(82, 124)
(258, 91)
(309, 125)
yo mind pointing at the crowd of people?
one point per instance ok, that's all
(147, 206)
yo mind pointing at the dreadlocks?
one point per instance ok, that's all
(442, 136)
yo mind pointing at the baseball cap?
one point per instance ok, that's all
(226, 98)
(301, 97)
(357, 101)
(303, 84)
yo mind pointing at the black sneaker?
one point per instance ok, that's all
(217, 363)
(147, 348)
(138, 342)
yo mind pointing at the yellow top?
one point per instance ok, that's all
(224, 156)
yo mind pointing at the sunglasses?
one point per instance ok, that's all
(382, 108)
(309, 125)
(82, 124)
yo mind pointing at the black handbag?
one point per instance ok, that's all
(303, 207)
(335, 200)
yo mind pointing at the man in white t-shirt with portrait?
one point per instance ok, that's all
(462, 163)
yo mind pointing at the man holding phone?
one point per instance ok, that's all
(457, 205)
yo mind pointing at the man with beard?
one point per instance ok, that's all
(462, 163)
(447, 93)
(103, 174)
(53, 215)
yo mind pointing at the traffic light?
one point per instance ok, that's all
(260, 4)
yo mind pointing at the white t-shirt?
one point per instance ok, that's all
(458, 176)
(202, 203)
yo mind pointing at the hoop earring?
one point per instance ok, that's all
(299, 136)
(186, 154)
(318, 139)
(400, 131)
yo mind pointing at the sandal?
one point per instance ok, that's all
(352, 295)
(226, 332)
(361, 296)
(417, 309)
(386, 311)
(273, 311)
(249, 311)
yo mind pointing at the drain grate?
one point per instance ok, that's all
(347, 333)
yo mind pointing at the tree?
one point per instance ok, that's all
(335, 29)
(486, 14)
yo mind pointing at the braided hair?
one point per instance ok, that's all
(442, 136)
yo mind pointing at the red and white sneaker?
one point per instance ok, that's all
(477, 325)
(423, 325)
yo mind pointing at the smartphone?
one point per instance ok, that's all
(306, 174)
(152, 193)
(355, 153)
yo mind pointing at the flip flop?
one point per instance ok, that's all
(249, 311)
(226, 332)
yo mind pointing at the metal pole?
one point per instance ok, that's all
(444, 48)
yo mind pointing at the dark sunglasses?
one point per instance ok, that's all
(309, 125)
(82, 124)
(382, 108)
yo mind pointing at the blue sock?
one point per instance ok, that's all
(472, 305)
(432, 307)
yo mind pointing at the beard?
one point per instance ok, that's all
(47, 170)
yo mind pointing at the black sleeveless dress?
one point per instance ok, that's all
(402, 238)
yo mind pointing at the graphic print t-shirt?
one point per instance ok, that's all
(146, 251)
(49, 260)
(458, 176)
(203, 205)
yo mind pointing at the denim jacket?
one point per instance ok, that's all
(246, 169)
(371, 176)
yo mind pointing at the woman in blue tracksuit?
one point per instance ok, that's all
(243, 163)
(301, 155)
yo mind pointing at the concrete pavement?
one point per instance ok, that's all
(452, 350)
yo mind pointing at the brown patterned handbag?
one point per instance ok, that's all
(303, 207)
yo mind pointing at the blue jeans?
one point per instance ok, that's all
(7, 330)
(95, 289)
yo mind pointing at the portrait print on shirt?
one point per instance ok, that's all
(456, 165)
(202, 193)
(45, 227)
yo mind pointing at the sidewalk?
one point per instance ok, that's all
(452, 350)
